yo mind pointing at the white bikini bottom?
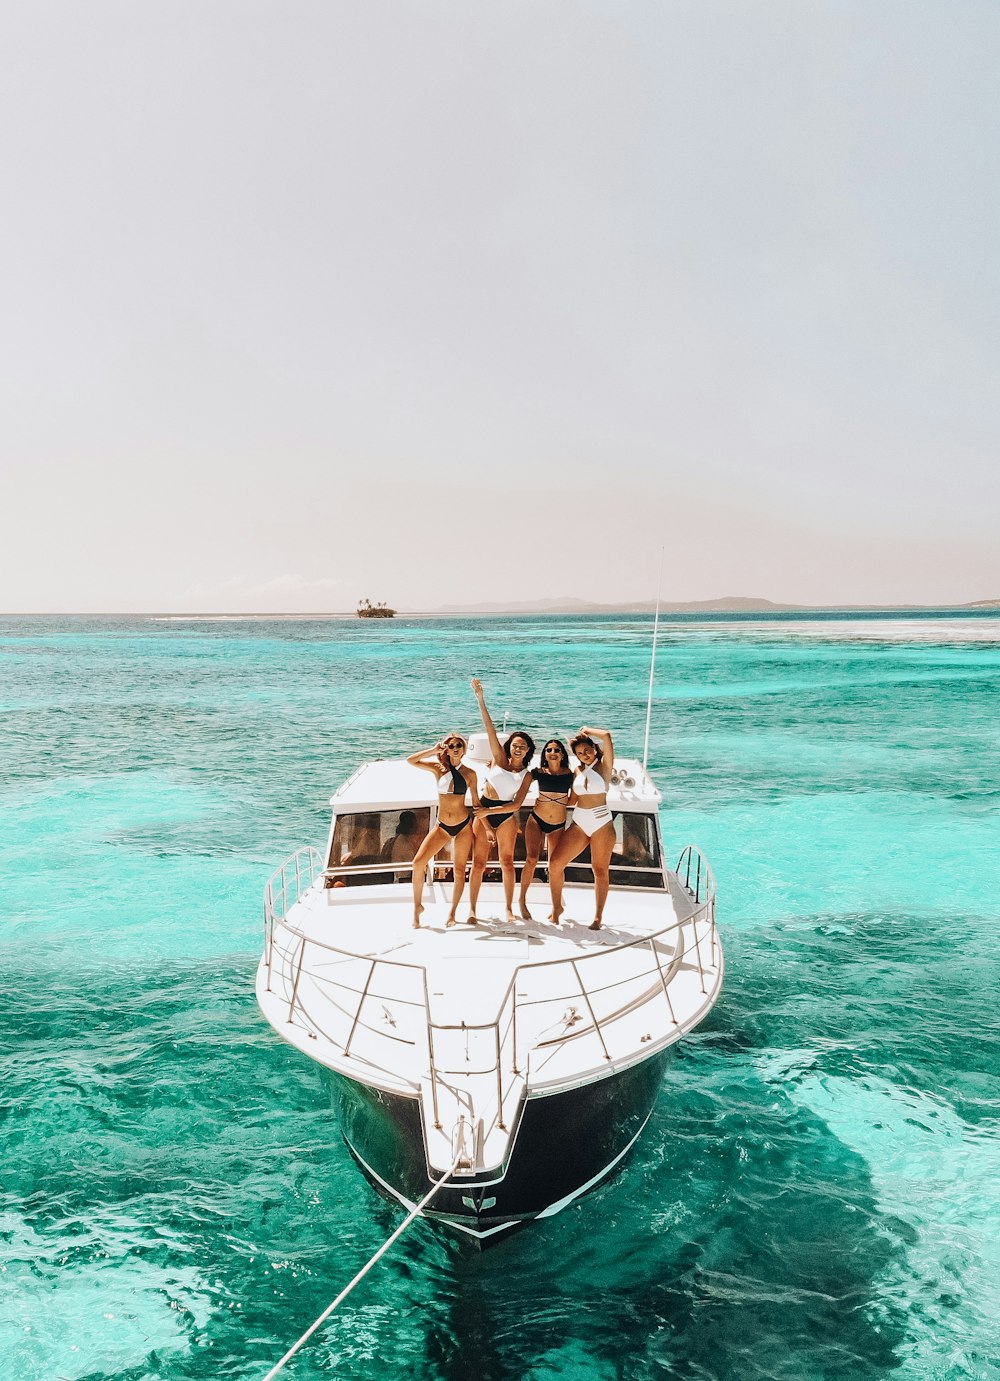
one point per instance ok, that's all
(591, 819)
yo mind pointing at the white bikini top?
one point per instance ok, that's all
(589, 782)
(505, 783)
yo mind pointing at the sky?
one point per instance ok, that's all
(441, 302)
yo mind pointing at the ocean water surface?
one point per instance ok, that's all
(817, 1195)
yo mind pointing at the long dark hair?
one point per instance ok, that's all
(564, 764)
(519, 733)
(585, 738)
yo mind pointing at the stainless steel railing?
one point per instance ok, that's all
(511, 1048)
(294, 877)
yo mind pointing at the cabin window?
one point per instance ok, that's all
(378, 838)
(635, 858)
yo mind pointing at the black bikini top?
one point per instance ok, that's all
(552, 781)
(459, 786)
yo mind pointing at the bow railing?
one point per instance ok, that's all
(390, 997)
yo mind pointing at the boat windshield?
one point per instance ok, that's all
(636, 859)
(378, 839)
(367, 844)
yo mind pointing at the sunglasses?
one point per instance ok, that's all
(455, 743)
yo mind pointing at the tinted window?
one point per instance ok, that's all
(376, 836)
(637, 847)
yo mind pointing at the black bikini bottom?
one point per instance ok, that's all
(455, 830)
(546, 826)
(496, 820)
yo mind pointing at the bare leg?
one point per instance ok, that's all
(572, 841)
(463, 847)
(480, 854)
(425, 853)
(532, 845)
(601, 845)
(506, 839)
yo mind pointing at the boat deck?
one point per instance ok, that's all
(472, 1018)
(362, 942)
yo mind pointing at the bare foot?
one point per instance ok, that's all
(525, 913)
(449, 921)
(417, 910)
(510, 918)
(472, 919)
(595, 925)
(554, 917)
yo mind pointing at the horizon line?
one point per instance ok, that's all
(499, 611)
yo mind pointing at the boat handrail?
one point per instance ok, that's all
(692, 856)
(691, 859)
(703, 908)
(703, 873)
(307, 863)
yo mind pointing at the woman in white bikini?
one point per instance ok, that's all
(507, 783)
(592, 823)
(454, 818)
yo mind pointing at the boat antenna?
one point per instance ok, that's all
(652, 666)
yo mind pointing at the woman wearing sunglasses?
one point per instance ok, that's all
(507, 784)
(454, 820)
(548, 816)
(592, 822)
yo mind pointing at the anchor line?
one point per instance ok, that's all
(414, 1213)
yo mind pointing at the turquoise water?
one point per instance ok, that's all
(816, 1195)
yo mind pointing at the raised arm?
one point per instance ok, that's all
(607, 762)
(429, 759)
(496, 748)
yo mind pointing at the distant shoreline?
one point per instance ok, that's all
(718, 608)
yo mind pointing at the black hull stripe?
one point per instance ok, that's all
(548, 1212)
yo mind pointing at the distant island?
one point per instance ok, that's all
(566, 605)
(728, 604)
(367, 610)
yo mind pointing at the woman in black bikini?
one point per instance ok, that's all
(454, 818)
(548, 816)
(507, 784)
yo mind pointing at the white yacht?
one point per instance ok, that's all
(516, 1064)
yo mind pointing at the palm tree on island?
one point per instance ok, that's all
(367, 610)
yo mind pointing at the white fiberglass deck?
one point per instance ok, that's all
(473, 1018)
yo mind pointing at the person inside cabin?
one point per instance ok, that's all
(454, 782)
(548, 816)
(364, 841)
(592, 823)
(507, 784)
(403, 845)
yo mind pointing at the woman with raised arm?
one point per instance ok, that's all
(507, 784)
(592, 823)
(547, 820)
(454, 821)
